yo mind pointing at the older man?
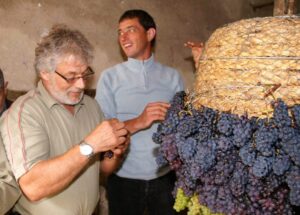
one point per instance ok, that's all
(50, 136)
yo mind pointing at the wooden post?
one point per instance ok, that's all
(285, 7)
(279, 7)
(292, 7)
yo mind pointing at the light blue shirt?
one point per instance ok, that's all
(123, 91)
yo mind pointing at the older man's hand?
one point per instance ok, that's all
(109, 135)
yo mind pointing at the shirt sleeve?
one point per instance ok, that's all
(26, 142)
(9, 190)
(105, 96)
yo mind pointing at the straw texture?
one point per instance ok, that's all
(248, 64)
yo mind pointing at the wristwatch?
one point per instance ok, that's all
(86, 149)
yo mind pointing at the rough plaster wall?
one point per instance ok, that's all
(24, 21)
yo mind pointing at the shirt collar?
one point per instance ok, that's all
(134, 63)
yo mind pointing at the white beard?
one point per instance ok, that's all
(62, 96)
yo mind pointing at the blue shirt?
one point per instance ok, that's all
(123, 91)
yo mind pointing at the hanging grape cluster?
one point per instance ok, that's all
(232, 164)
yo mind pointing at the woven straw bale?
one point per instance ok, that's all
(248, 64)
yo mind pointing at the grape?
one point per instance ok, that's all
(265, 138)
(262, 166)
(181, 200)
(204, 133)
(281, 163)
(254, 189)
(210, 115)
(224, 201)
(187, 126)
(195, 171)
(223, 169)
(296, 115)
(178, 100)
(161, 161)
(247, 154)
(208, 195)
(271, 184)
(180, 184)
(292, 148)
(295, 197)
(169, 148)
(293, 177)
(187, 148)
(239, 180)
(224, 144)
(286, 134)
(242, 132)
(205, 155)
(193, 206)
(225, 123)
(156, 137)
(169, 125)
(281, 115)
(175, 164)
(268, 205)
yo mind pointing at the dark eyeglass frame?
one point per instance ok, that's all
(87, 74)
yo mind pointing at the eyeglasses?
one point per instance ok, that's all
(71, 80)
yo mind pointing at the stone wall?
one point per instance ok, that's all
(24, 21)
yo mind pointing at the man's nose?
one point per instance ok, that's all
(80, 83)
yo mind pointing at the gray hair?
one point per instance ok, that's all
(58, 43)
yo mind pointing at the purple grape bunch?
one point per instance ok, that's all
(235, 164)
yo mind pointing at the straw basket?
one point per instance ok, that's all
(248, 64)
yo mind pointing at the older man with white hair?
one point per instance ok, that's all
(54, 134)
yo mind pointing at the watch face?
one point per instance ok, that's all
(86, 149)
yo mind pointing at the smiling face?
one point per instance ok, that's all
(64, 92)
(134, 39)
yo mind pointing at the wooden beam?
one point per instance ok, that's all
(279, 7)
(292, 7)
(285, 7)
(258, 4)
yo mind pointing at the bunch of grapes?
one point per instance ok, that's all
(230, 164)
